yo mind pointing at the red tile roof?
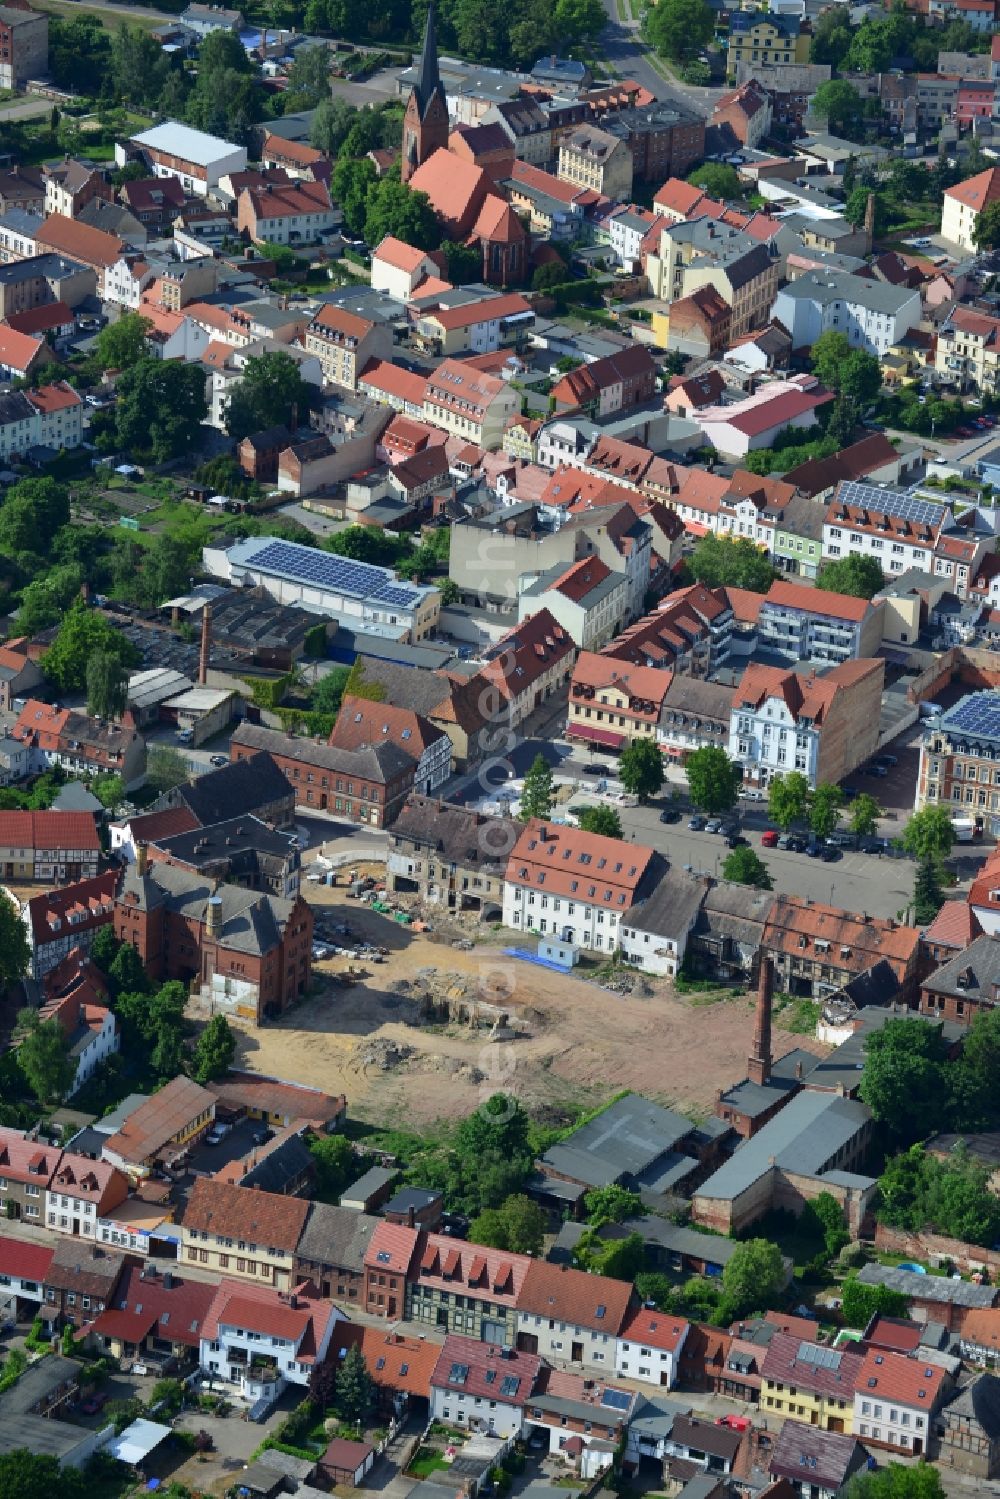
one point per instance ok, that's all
(150, 827)
(49, 830)
(581, 578)
(655, 1329)
(382, 376)
(979, 191)
(262, 1218)
(566, 861)
(24, 1160)
(574, 1296)
(395, 1361)
(486, 1372)
(81, 907)
(18, 351)
(489, 1274)
(680, 197)
(817, 601)
(361, 722)
(782, 1363)
(470, 313)
(527, 652)
(55, 397)
(905, 1380)
(645, 687)
(93, 247)
(397, 253)
(41, 319)
(391, 1248)
(21, 1260)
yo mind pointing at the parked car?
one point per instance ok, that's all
(829, 854)
(320, 951)
(814, 849)
(887, 759)
(753, 794)
(262, 1135)
(874, 769)
(93, 1404)
(769, 839)
(785, 841)
(218, 760)
(842, 839)
(218, 1132)
(797, 844)
(713, 825)
(697, 823)
(670, 814)
(594, 770)
(736, 840)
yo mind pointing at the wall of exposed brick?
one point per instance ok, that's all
(931, 1247)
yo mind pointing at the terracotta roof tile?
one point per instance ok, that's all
(574, 1296)
(262, 1218)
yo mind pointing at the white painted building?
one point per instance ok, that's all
(482, 1386)
(573, 885)
(871, 314)
(198, 160)
(126, 280)
(260, 1340)
(895, 1399)
(649, 1348)
(81, 1191)
(899, 529)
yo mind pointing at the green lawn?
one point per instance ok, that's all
(109, 21)
(426, 1462)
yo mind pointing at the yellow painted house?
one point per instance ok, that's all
(810, 1382)
(765, 40)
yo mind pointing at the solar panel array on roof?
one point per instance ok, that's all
(822, 1358)
(616, 1400)
(327, 570)
(892, 501)
(977, 714)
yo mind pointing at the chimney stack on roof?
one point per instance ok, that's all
(759, 1061)
(206, 626)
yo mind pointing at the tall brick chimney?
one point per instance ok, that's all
(206, 629)
(759, 1061)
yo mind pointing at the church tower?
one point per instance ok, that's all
(425, 126)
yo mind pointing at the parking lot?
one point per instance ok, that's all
(208, 1159)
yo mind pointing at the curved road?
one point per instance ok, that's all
(629, 57)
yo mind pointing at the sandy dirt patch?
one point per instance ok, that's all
(582, 1043)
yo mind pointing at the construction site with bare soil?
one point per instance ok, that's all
(424, 1025)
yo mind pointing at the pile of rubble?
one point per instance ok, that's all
(380, 1054)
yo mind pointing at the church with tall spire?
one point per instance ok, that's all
(425, 125)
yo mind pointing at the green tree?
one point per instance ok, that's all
(167, 1056)
(856, 208)
(623, 1258)
(122, 344)
(731, 562)
(15, 952)
(109, 790)
(865, 813)
(138, 64)
(43, 1056)
(125, 972)
(336, 1165)
(161, 405)
(350, 185)
(270, 392)
(107, 686)
(392, 207)
(330, 123)
(165, 570)
(713, 779)
(828, 1213)
(329, 691)
(824, 809)
(536, 798)
(603, 820)
(753, 1276)
(831, 38)
(612, 1204)
(852, 372)
(861, 577)
(518, 1225)
(640, 768)
(579, 21)
(903, 1080)
(986, 230)
(552, 273)
(861, 1302)
(309, 77)
(368, 544)
(678, 29)
(719, 180)
(744, 866)
(839, 104)
(465, 262)
(928, 896)
(214, 1052)
(33, 511)
(105, 947)
(355, 1389)
(657, 1287)
(79, 53)
(165, 768)
(929, 834)
(788, 798)
(83, 634)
